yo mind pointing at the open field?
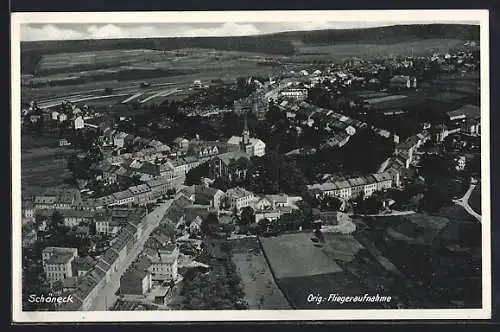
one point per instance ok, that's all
(261, 292)
(367, 50)
(440, 264)
(132, 85)
(341, 247)
(43, 164)
(294, 255)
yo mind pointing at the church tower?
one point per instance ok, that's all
(246, 133)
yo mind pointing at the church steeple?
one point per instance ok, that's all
(246, 132)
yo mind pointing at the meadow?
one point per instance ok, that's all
(368, 50)
(261, 291)
(43, 164)
(294, 255)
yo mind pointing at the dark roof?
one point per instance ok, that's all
(469, 111)
(60, 258)
(110, 256)
(138, 269)
(83, 263)
(102, 266)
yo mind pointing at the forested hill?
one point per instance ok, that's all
(261, 43)
(387, 34)
(278, 43)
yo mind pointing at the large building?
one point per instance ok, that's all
(466, 119)
(57, 262)
(164, 264)
(354, 187)
(54, 198)
(137, 280)
(403, 82)
(296, 94)
(238, 198)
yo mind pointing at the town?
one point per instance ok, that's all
(251, 192)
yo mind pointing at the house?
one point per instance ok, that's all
(263, 203)
(142, 193)
(402, 82)
(82, 265)
(472, 127)
(354, 187)
(63, 117)
(29, 238)
(106, 224)
(122, 198)
(460, 163)
(182, 144)
(137, 280)
(205, 195)
(55, 198)
(64, 142)
(49, 251)
(28, 209)
(295, 94)
(164, 265)
(54, 115)
(271, 202)
(58, 265)
(271, 215)
(119, 139)
(70, 284)
(238, 198)
(128, 140)
(194, 225)
(160, 186)
(78, 123)
(82, 232)
(73, 218)
(34, 118)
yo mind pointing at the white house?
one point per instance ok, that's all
(238, 198)
(78, 123)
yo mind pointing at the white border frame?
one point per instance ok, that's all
(385, 16)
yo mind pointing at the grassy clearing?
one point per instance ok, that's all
(43, 164)
(261, 292)
(341, 247)
(294, 255)
(364, 50)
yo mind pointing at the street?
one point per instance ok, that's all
(464, 202)
(107, 296)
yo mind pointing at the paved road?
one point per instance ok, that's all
(464, 202)
(107, 296)
(393, 213)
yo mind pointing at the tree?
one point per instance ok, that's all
(38, 219)
(331, 203)
(247, 216)
(264, 225)
(56, 222)
(370, 205)
(209, 222)
(194, 175)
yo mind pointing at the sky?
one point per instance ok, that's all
(69, 31)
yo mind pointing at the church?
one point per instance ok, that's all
(245, 143)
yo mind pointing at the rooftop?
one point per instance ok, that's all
(60, 258)
(238, 192)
